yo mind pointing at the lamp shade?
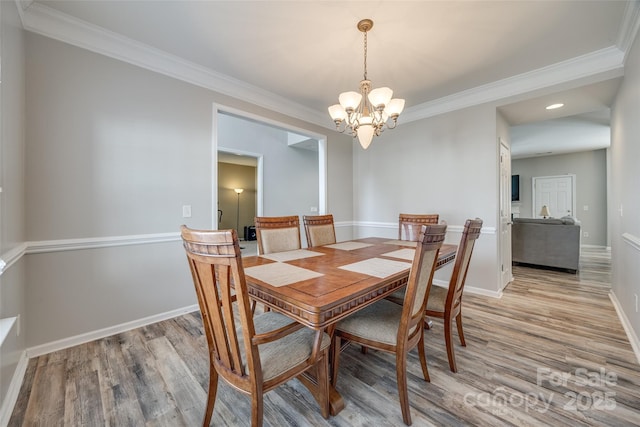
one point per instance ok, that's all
(545, 211)
(365, 132)
(238, 190)
(350, 100)
(337, 112)
(380, 97)
(395, 107)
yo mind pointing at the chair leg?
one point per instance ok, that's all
(401, 375)
(449, 342)
(459, 325)
(257, 408)
(423, 359)
(211, 396)
(335, 359)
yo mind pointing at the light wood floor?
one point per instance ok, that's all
(550, 352)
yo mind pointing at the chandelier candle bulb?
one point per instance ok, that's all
(366, 113)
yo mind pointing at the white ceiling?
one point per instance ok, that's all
(297, 56)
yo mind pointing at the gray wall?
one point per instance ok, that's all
(115, 150)
(590, 168)
(12, 170)
(624, 197)
(445, 164)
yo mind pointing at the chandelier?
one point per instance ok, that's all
(366, 114)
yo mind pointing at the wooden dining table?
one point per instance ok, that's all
(319, 286)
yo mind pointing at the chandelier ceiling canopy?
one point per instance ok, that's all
(366, 113)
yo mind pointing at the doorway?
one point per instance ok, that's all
(237, 193)
(291, 171)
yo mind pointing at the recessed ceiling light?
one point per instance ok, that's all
(554, 106)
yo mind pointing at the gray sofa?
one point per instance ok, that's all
(546, 242)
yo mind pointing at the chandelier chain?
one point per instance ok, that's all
(365, 55)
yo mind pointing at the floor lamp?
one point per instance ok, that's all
(238, 191)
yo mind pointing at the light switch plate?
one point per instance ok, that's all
(186, 211)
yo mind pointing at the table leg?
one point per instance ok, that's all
(336, 403)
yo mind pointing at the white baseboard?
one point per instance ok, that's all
(471, 289)
(631, 334)
(14, 390)
(112, 330)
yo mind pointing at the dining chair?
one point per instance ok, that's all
(394, 328)
(446, 303)
(409, 225)
(319, 229)
(277, 233)
(254, 354)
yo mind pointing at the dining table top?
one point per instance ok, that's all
(320, 285)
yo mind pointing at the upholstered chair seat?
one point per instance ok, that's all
(376, 322)
(277, 357)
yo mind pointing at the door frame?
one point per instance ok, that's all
(322, 158)
(506, 270)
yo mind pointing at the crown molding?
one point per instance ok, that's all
(601, 61)
(51, 23)
(630, 26)
(48, 22)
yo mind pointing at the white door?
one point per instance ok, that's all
(557, 193)
(505, 216)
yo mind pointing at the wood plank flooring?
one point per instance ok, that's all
(550, 352)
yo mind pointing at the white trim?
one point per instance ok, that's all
(12, 256)
(626, 324)
(630, 26)
(394, 225)
(106, 332)
(47, 246)
(606, 248)
(13, 391)
(605, 60)
(5, 326)
(322, 153)
(99, 242)
(632, 240)
(49, 22)
(470, 289)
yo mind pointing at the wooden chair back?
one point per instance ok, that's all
(215, 262)
(409, 225)
(235, 337)
(319, 230)
(394, 328)
(422, 269)
(277, 233)
(470, 234)
(446, 303)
